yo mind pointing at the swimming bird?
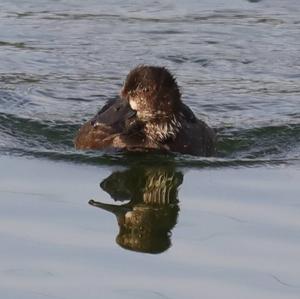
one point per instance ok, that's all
(148, 115)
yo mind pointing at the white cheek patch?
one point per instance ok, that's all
(133, 104)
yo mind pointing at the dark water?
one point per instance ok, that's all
(237, 63)
(156, 226)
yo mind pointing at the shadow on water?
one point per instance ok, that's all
(151, 207)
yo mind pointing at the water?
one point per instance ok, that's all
(231, 221)
(237, 63)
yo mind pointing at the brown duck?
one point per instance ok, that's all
(149, 115)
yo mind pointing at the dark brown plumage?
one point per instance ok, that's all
(149, 116)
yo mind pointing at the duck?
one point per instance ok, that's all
(148, 115)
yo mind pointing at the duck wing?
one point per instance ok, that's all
(100, 131)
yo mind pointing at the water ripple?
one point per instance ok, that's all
(237, 65)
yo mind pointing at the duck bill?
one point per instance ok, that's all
(119, 111)
(115, 209)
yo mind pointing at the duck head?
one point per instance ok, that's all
(152, 92)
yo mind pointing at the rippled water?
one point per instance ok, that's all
(226, 226)
(237, 63)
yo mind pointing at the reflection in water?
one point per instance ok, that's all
(146, 220)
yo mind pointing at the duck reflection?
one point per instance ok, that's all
(146, 220)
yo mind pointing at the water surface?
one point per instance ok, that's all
(237, 63)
